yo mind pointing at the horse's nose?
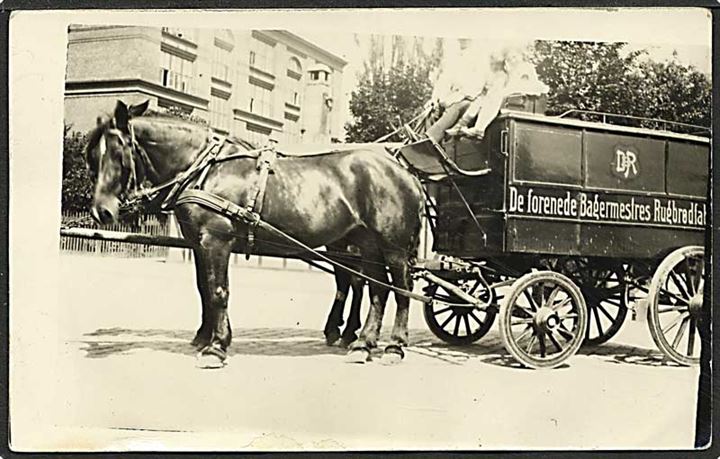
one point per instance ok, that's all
(103, 215)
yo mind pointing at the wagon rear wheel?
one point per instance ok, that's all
(463, 324)
(606, 296)
(543, 320)
(675, 301)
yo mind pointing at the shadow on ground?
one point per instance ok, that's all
(296, 342)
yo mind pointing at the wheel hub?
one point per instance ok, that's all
(695, 305)
(546, 319)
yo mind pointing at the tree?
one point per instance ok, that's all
(606, 77)
(392, 88)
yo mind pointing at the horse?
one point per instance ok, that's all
(358, 195)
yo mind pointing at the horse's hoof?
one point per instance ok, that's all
(360, 355)
(346, 342)
(211, 357)
(332, 338)
(392, 355)
(209, 361)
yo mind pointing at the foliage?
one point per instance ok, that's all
(76, 183)
(391, 91)
(606, 77)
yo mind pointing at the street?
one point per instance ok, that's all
(129, 379)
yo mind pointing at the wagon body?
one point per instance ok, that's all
(566, 187)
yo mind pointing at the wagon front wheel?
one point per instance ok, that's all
(543, 319)
(455, 321)
(675, 302)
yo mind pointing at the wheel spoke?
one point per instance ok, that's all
(682, 288)
(528, 349)
(597, 321)
(604, 311)
(673, 324)
(529, 329)
(569, 315)
(442, 311)
(447, 321)
(542, 345)
(618, 302)
(551, 297)
(680, 333)
(554, 342)
(674, 295)
(565, 333)
(517, 321)
(671, 308)
(533, 304)
(456, 332)
(472, 314)
(562, 304)
(467, 324)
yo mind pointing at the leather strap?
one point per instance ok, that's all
(257, 197)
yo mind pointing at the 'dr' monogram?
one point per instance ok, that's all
(626, 163)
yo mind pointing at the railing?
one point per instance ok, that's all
(637, 121)
(149, 225)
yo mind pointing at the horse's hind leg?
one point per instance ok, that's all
(335, 318)
(374, 267)
(349, 334)
(204, 333)
(401, 278)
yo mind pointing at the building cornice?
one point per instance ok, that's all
(261, 120)
(309, 48)
(98, 87)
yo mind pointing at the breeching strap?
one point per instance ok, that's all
(234, 212)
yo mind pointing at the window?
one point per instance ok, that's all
(294, 73)
(261, 100)
(177, 72)
(222, 63)
(219, 109)
(261, 55)
(294, 65)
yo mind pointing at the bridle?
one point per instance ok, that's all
(130, 185)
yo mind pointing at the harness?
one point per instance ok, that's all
(187, 186)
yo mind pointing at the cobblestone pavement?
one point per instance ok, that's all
(126, 377)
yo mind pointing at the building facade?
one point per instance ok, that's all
(253, 84)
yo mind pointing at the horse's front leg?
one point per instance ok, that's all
(216, 255)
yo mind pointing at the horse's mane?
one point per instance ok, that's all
(93, 137)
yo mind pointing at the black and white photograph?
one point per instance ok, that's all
(359, 229)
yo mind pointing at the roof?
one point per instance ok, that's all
(556, 120)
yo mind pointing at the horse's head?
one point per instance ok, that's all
(110, 155)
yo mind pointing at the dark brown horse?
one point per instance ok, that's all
(357, 196)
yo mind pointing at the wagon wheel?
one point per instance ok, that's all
(606, 296)
(675, 302)
(460, 325)
(543, 319)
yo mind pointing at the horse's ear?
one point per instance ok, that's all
(138, 110)
(99, 121)
(121, 116)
